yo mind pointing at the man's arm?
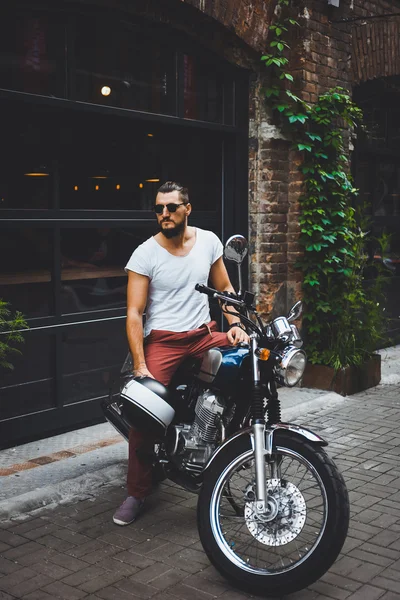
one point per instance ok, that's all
(138, 287)
(221, 282)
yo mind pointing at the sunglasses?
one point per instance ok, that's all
(171, 207)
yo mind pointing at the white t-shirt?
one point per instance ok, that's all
(173, 304)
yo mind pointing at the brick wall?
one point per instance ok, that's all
(324, 55)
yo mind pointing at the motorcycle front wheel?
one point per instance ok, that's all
(300, 535)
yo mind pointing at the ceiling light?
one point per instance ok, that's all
(40, 171)
(105, 90)
(152, 180)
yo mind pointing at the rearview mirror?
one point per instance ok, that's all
(295, 311)
(236, 249)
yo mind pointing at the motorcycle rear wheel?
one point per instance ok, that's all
(300, 538)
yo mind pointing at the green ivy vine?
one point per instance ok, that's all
(342, 322)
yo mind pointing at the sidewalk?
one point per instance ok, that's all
(70, 466)
(69, 548)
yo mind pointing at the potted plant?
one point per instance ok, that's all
(10, 333)
(343, 320)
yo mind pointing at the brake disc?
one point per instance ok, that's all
(284, 518)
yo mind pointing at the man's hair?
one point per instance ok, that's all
(173, 186)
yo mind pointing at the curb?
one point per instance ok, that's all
(85, 486)
(78, 488)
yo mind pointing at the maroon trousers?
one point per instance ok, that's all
(164, 352)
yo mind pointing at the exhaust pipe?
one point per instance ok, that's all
(114, 417)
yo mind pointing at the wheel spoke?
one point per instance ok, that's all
(277, 541)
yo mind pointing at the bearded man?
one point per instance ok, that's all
(162, 274)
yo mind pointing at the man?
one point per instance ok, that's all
(162, 274)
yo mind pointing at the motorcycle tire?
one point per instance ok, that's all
(304, 531)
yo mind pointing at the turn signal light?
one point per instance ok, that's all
(263, 353)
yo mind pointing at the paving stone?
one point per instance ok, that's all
(130, 558)
(150, 573)
(8, 566)
(382, 582)
(367, 592)
(214, 588)
(79, 577)
(368, 557)
(329, 590)
(141, 590)
(5, 596)
(69, 562)
(341, 582)
(21, 550)
(97, 555)
(61, 590)
(50, 541)
(8, 582)
(39, 595)
(185, 592)
(11, 539)
(51, 570)
(114, 593)
(168, 579)
(366, 572)
(116, 566)
(20, 590)
(101, 582)
(120, 541)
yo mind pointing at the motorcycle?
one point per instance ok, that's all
(273, 509)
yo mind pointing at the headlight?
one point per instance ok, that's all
(291, 368)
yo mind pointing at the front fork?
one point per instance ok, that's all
(262, 439)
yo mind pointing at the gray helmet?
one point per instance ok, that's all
(146, 405)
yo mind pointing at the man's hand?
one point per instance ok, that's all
(142, 371)
(237, 335)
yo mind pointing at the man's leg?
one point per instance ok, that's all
(163, 355)
(202, 340)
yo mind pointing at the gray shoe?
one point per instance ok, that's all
(128, 511)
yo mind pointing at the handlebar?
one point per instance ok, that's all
(244, 305)
(224, 296)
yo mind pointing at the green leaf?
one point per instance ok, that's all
(289, 76)
(314, 137)
(292, 96)
(272, 92)
(304, 147)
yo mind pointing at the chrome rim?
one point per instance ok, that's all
(288, 533)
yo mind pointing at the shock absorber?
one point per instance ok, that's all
(274, 405)
(258, 402)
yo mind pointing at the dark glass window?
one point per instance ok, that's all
(121, 165)
(93, 261)
(30, 386)
(32, 54)
(198, 165)
(25, 167)
(203, 91)
(121, 65)
(93, 354)
(26, 256)
(113, 164)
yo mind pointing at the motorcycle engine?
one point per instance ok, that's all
(194, 443)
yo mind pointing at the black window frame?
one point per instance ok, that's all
(234, 215)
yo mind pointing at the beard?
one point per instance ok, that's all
(172, 232)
